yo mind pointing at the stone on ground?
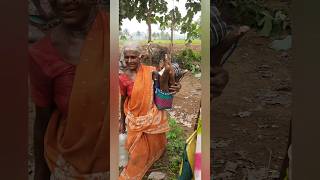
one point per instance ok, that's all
(157, 176)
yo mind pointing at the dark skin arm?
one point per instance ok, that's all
(43, 115)
(219, 77)
(167, 80)
(227, 42)
(122, 125)
(175, 88)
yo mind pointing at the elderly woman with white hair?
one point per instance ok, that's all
(146, 124)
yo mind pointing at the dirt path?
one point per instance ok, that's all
(251, 119)
(187, 102)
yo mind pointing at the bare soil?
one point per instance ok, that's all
(251, 119)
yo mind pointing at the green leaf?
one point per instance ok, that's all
(267, 27)
(267, 14)
(234, 3)
(280, 15)
(261, 22)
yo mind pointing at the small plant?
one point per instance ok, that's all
(189, 59)
(176, 142)
(123, 38)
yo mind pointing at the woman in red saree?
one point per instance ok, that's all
(146, 125)
(69, 71)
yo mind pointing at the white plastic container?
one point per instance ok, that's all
(123, 153)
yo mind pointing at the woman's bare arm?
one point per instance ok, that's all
(122, 115)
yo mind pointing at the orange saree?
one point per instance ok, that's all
(77, 147)
(146, 127)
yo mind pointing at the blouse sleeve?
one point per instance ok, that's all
(123, 88)
(40, 85)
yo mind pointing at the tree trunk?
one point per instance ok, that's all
(171, 38)
(172, 27)
(149, 31)
(149, 22)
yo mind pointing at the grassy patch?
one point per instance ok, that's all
(164, 42)
(189, 59)
(170, 162)
(178, 42)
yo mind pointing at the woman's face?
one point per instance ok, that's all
(73, 13)
(132, 59)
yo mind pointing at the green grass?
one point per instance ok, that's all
(189, 59)
(175, 42)
(178, 42)
(170, 163)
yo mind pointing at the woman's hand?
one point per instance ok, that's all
(174, 89)
(219, 78)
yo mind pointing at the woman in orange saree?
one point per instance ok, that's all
(146, 125)
(69, 71)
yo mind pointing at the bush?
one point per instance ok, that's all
(176, 142)
(269, 22)
(189, 59)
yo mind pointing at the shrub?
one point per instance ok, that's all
(269, 22)
(176, 142)
(189, 59)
